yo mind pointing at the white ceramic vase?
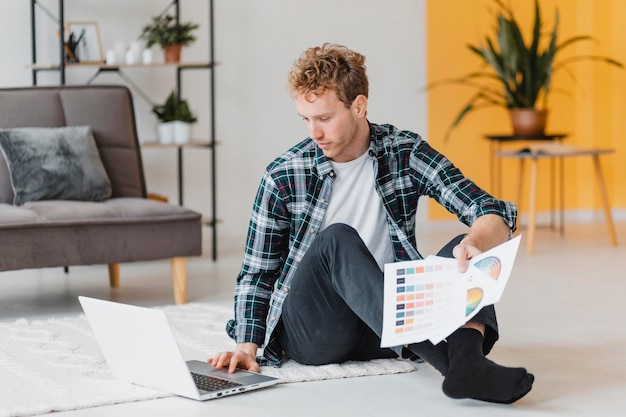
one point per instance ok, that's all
(174, 132)
(165, 133)
(182, 132)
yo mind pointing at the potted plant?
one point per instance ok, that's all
(520, 73)
(176, 118)
(169, 33)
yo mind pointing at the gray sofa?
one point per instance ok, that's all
(109, 223)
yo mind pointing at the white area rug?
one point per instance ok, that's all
(56, 365)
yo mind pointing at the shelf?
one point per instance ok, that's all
(516, 138)
(100, 67)
(103, 66)
(191, 144)
(209, 222)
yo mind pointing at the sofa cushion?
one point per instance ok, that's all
(125, 210)
(13, 216)
(54, 164)
(43, 234)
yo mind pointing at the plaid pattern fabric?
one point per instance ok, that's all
(291, 202)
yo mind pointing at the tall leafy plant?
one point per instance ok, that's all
(516, 73)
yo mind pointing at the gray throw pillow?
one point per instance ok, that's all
(54, 164)
(6, 191)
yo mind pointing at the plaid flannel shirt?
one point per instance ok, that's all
(292, 200)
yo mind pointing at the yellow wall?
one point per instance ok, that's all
(590, 106)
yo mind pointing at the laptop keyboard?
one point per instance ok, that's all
(209, 383)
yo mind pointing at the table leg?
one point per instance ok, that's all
(495, 169)
(561, 197)
(520, 186)
(492, 169)
(532, 206)
(498, 172)
(552, 193)
(605, 199)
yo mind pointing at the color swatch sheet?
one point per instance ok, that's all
(429, 299)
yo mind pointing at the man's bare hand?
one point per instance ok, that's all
(464, 252)
(486, 232)
(243, 358)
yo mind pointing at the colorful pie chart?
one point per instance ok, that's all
(474, 297)
(490, 266)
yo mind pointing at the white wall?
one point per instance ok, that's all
(256, 42)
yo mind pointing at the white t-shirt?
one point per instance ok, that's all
(355, 202)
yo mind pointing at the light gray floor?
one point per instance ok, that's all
(562, 316)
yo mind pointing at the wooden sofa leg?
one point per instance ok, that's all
(179, 279)
(114, 275)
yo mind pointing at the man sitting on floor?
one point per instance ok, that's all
(330, 212)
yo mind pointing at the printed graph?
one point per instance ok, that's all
(423, 296)
(430, 298)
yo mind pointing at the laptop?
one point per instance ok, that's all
(139, 347)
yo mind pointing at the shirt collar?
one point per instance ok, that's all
(323, 164)
(375, 141)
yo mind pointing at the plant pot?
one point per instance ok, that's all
(182, 132)
(171, 53)
(165, 133)
(528, 122)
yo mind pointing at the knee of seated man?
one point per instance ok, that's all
(339, 231)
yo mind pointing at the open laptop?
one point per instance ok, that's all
(139, 347)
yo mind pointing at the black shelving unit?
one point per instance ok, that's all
(181, 68)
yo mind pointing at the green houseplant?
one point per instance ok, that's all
(174, 108)
(519, 74)
(175, 118)
(170, 34)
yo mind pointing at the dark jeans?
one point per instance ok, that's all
(334, 310)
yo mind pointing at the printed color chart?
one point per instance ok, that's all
(429, 299)
(422, 298)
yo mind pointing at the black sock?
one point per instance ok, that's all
(471, 375)
(436, 355)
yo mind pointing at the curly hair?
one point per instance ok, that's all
(329, 67)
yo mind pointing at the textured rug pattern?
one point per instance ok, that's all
(56, 365)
